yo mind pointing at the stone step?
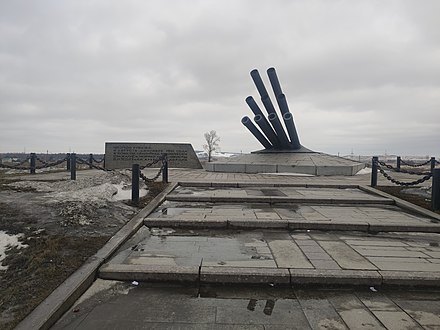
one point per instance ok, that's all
(242, 223)
(265, 276)
(277, 199)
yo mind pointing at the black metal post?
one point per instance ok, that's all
(165, 169)
(432, 163)
(73, 166)
(135, 172)
(91, 161)
(33, 161)
(68, 162)
(374, 171)
(435, 196)
(398, 162)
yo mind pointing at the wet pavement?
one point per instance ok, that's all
(151, 306)
(252, 254)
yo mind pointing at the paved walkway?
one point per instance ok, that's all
(119, 305)
(286, 235)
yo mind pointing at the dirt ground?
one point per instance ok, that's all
(61, 223)
(417, 195)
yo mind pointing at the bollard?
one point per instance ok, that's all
(435, 195)
(135, 172)
(68, 162)
(432, 163)
(165, 169)
(33, 161)
(73, 166)
(398, 162)
(374, 171)
(91, 161)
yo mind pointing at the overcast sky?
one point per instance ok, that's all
(359, 76)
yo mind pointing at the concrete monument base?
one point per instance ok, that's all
(313, 163)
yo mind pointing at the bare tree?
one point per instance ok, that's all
(212, 143)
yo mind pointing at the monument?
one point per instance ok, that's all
(124, 154)
(283, 152)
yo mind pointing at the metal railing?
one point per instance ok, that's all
(379, 167)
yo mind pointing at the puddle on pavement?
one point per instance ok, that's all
(189, 248)
(171, 209)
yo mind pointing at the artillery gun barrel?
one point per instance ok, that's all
(259, 83)
(254, 106)
(288, 121)
(267, 130)
(254, 130)
(274, 81)
(275, 121)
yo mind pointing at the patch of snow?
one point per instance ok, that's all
(223, 154)
(100, 188)
(8, 241)
(124, 192)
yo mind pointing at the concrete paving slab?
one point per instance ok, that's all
(427, 314)
(319, 311)
(285, 312)
(387, 312)
(354, 313)
(285, 252)
(345, 256)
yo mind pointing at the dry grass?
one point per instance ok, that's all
(35, 271)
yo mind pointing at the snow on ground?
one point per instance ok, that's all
(7, 241)
(100, 188)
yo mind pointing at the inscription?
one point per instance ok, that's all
(138, 153)
(123, 155)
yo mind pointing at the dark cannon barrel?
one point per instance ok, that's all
(254, 106)
(267, 130)
(268, 104)
(288, 121)
(246, 121)
(282, 103)
(274, 81)
(294, 139)
(275, 121)
(258, 82)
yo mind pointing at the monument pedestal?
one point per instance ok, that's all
(313, 163)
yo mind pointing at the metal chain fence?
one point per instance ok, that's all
(415, 165)
(426, 177)
(401, 170)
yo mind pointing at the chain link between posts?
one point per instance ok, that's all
(45, 164)
(401, 183)
(401, 170)
(162, 158)
(415, 165)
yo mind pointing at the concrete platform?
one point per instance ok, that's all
(312, 163)
(121, 305)
(277, 256)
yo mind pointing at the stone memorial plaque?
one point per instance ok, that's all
(123, 155)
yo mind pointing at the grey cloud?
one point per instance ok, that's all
(362, 75)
